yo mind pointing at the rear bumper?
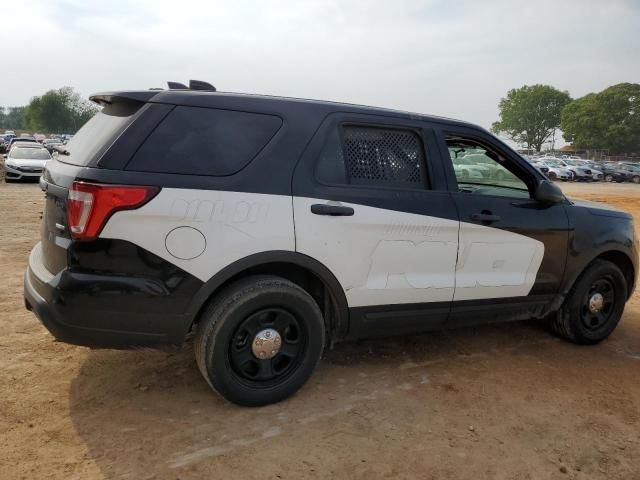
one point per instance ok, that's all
(95, 310)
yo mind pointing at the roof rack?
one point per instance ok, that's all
(193, 85)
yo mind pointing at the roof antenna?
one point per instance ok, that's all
(200, 85)
(177, 86)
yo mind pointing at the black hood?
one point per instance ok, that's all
(597, 208)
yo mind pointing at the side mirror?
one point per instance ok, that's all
(548, 192)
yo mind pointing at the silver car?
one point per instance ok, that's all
(23, 163)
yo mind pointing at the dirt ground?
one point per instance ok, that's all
(499, 402)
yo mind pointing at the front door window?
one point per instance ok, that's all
(482, 171)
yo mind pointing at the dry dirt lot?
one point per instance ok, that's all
(503, 401)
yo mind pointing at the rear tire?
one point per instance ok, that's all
(240, 321)
(636, 179)
(608, 178)
(580, 320)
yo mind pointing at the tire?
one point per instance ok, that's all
(500, 176)
(225, 340)
(608, 178)
(553, 176)
(575, 321)
(636, 179)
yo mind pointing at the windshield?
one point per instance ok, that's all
(30, 154)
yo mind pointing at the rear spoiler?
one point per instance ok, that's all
(107, 98)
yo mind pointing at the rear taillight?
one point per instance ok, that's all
(90, 205)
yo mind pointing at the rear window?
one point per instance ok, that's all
(205, 141)
(99, 133)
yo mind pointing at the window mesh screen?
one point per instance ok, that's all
(377, 155)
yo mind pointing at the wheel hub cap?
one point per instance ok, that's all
(596, 302)
(266, 344)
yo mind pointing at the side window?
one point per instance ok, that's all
(480, 170)
(204, 141)
(366, 155)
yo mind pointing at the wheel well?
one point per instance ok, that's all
(623, 263)
(304, 278)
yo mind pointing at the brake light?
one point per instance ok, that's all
(90, 205)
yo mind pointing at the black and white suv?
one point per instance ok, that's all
(273, 227)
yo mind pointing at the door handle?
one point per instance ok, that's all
(485, 217)
(332, 210)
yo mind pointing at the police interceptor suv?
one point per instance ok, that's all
(272, 227)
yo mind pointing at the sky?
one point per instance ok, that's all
(450, 58)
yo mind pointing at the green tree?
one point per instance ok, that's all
(14, 118)
(531, 114)
(60, 111)
(609, 120)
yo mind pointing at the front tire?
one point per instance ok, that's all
(260, 340)
(594, 306)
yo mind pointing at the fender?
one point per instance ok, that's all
(340, 324)
(611, 248)
(590, 237)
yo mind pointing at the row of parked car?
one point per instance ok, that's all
(578, 169)
(9, 136)
(25, 156)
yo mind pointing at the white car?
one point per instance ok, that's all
(23, 163)
(585, 167)
(555, 172)
(467, 172)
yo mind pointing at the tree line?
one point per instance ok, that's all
(57, 111)
(607, 120)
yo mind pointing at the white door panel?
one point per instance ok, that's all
(381, 256)
(494, 263)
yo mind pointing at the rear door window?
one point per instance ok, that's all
(373, 156)
(205, 141)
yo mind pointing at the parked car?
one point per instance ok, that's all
(580, 173)
(23, 139)
(555, 171)
(25, 163)
(467, 172)
(466, 166)
(613, 173)
(51, 143)
(309, 223)
(4, 140)
(585, 166)
(480, 160)
(633, 169)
